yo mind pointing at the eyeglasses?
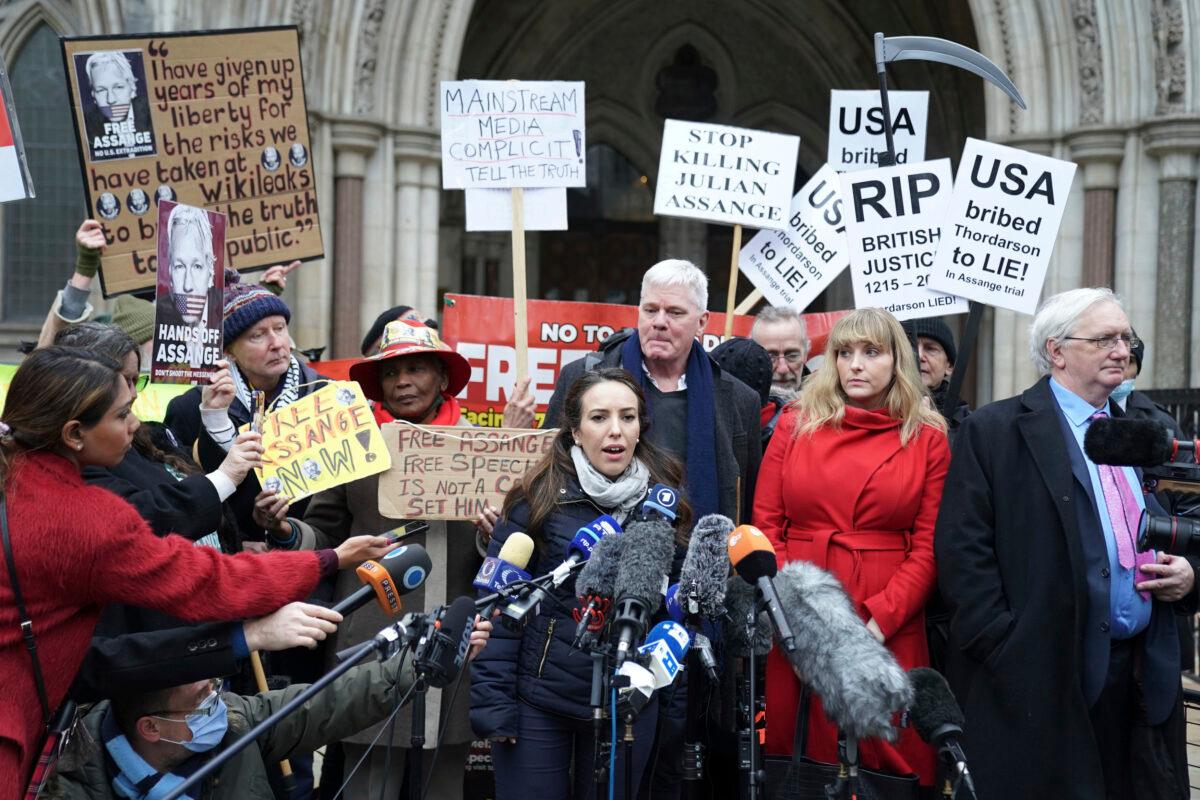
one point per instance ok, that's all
(206, 708)
(792, 357)
(1109, 342)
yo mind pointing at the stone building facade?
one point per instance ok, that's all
(1113, 85)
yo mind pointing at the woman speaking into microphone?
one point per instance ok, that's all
(851, 482)
(72, 548)
(531, 690)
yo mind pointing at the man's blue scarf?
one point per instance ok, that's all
(133, 777)
(700, 471)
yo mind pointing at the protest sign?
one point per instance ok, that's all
(450, 472)
(15, 180)
(791, 267)
(320, 441)
(491, 209)
(216, 120)
(893, 225)
(509, 134)
(856, 136)
(189, 309)
(481, 330)
(729, 175)
(1001, 225)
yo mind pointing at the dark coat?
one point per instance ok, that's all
(1023, 567)
(738, 430)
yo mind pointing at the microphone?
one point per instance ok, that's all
(496, 573)
(938, 719)
(663, 652)
(739, 602)
(641, 578)
(1133, 443)
(396, 574)
(578, 551)
(442, 652)
(753, 558)
(857, 678)
(661, 502)
(698, 640)
(594, 586)
(705, 568)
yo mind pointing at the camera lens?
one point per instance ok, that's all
(1175, 535)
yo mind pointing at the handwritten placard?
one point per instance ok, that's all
(442, 472)
(320, 441)
(215, 120)
(508, 134)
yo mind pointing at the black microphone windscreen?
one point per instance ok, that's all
(645, 562)
(599, 574)
(757, 564)
(739, 600)
(456, 623)
(705, 568)
(933, 706)
(1128, 442)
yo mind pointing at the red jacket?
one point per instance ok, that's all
(855, 502)
(78, 547)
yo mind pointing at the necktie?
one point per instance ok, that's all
(1123, 514)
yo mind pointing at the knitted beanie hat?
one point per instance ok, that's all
(246, 304)
(746, 360)
(932, 328)
(1138, 353)
(376, 332)
(135, 317)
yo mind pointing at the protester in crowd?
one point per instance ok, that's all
(71, 304)
(933, 342)
(530, 690)
(746, 360)
(145, 742)
(413, 378)
(782, 333)
(1061, 632)
(68, 409)
(851, 482)
(371, 342)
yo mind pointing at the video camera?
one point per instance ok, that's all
(1168, 465)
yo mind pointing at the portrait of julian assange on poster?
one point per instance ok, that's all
(188, 311)
(116, 111)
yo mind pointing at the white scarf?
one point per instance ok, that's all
(621, 494)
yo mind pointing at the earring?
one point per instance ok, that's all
(79, 446)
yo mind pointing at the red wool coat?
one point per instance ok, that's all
(855, 502)
(78, 547)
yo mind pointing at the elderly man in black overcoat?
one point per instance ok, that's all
(1063, 652)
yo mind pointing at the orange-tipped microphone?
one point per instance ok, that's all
(396, 574)
(753, 558)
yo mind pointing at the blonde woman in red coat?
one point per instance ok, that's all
(851, 482)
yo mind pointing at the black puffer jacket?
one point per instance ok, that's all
(539, 665)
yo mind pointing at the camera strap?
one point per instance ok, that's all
(26, 623)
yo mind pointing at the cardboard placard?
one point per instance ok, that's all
(718, 173)
(215, 120)
(15, 180)
(449, 472)
(491, 209)
(856, 134)
(322, 440)
(505, 134)
(893, 226)
(481, 330)
(1001, 226)
(188, 310)
(793, 266)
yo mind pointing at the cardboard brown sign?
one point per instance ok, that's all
(213, 119)
(441, 472)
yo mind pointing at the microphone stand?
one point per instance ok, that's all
(600, 691)
(756, 774)
(417, 742)
(846, 785)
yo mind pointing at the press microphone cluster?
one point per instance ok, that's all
(396, 574)
(659, 661)
(442, 651)
(497, 573)
(641, 575)
(594, 586)
(753, 559)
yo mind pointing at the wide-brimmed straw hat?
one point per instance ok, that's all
(410, 338)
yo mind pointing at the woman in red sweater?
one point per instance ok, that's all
(77, 547)
(851, 482)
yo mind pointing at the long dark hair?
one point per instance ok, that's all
(111, 341)
(541, 485)
(53, 386)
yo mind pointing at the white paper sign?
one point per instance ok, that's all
(491, 209)
(730, 175)
(1001, 225)
(856, 128)
(893, 224)
(504, 134)
(791, 267)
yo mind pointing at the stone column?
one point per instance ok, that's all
(417, 152)
(353, 143)
(1098, 152)
(1175, 142)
